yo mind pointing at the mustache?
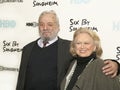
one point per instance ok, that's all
(46, 31)
(46, 39)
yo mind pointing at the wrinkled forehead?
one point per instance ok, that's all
(83, 37)
(47, 17)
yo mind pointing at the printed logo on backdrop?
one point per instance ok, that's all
(116, 25)
(32, 24)
(118, 53)
(11, 46)
(44, 3)
(79, 1)
(7, 24)
(75, 24)
(10, 1)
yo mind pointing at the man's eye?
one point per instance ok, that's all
(50, 24)
(40, 24)
(78, 43)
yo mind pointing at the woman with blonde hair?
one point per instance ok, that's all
(85, 71)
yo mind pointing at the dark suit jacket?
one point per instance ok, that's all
(63, 61)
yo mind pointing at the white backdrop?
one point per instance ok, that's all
(18, 19)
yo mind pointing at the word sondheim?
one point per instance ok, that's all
(49, 3)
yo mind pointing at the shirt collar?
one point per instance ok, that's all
(40, 42)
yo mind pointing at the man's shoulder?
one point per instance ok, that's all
(64, 40)
(31, 43)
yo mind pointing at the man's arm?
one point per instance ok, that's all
(112, 68)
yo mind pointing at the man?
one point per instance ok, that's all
(43, 67)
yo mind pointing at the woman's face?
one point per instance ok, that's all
(84, 45)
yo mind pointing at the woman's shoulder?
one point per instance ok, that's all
(98, 61)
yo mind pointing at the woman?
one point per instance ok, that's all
(85, 71)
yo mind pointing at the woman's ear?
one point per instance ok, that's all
(94, 49)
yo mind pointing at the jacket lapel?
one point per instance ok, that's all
(68, 76)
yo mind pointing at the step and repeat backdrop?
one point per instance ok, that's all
(19, 26)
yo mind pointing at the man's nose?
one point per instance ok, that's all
(45, 27)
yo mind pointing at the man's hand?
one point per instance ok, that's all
(110, 68)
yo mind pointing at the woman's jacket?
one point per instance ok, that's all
(92, 78)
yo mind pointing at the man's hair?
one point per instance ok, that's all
(50, 12)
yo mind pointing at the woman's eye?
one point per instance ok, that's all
(86, 43)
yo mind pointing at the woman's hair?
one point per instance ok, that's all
(93, 35)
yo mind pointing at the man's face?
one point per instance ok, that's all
(48, 28)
